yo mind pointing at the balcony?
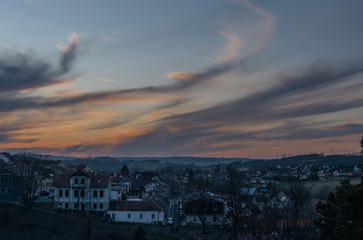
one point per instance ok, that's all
(79, 185)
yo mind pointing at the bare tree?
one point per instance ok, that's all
(30, 171)
(202, 207)
(238, 203)
(299, 196)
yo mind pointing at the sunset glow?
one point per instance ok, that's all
(258, 79)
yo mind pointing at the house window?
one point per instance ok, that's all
(101, 193)
(60, 193)
(141, 216)
(152, 216)
(113, 216)
(66, 193)
(95, 206)
(82, 193)
(82, 181)
(2, 190)
(75, 193)
(215, 207)
(76, 180)
(66, 205)
(101, 205)
(2, 179)
(95, 193)
(60, 204)
(75, 205)
(9, 190)
(129, 216)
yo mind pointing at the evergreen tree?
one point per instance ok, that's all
(341, 217)
(125, 170)
(217, 169)
(190, 176)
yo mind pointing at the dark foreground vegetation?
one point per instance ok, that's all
(16, 223)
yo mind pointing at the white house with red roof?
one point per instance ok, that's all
(136, 211)
(82, 191)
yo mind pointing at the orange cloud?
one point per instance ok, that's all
(184, 76)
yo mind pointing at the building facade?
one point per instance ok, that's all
(136, 211)
(8, 188)
(212, 210)
(82, 191)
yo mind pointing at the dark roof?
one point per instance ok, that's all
(97, 181)
(80, 172)
(5, 171)
(308, 212)
(159, 200)
(143, 178)
(133, 206)
(61, 181)
(3, 164)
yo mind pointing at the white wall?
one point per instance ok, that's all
(122, 216)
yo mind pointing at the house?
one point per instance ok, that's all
(8, 187)
(140, 179)
(305, 218)
(211, 209)
(136, 211)
(158, 186)
(160, 200)
(83, 167)
(138, 182)
(82, 191)
(5, 157)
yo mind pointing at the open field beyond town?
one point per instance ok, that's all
(321, 189)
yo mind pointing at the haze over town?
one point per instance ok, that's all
(255, 79)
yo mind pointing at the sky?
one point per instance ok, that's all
(204, 78)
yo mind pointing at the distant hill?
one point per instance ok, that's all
(144, 163)
(198, 161)
(314, 159)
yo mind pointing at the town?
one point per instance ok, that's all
(256, 199)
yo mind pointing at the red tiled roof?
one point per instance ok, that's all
(80, 172)
(133, 206)
(99, 181)
(61, 181)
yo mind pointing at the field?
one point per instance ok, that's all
(321, 189)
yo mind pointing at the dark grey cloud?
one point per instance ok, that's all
(109, 124)
(272, 99)
(25, 71)
(10, 137)
(120, 95)
(204, 129)
(91, 149)
(299, 131)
